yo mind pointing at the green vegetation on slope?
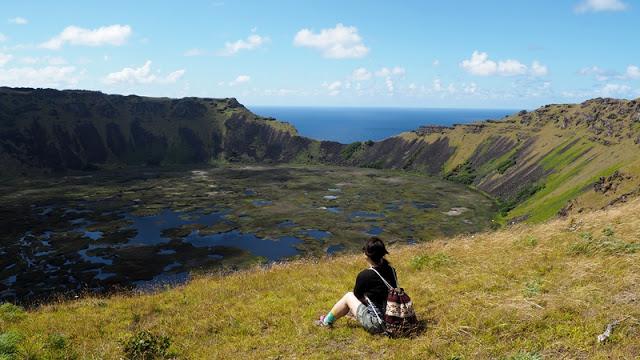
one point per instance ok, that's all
(530, 291)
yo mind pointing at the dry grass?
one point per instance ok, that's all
(519, 293)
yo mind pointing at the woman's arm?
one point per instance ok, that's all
(360, 287)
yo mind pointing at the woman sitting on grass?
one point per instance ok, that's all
(369, 297)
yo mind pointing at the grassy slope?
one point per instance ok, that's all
(531, 289)
(572, 172)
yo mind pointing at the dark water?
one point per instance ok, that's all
(347, 125)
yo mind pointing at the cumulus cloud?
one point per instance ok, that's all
(438, 87)
(107, 35)
(597, 72)
(386, 72)
(49, 76)
(470, 88)
(141, 75)
(5, 58)
(612, 90)
(538, 69)
(334, 88)
(479, 64)
(361, 74)
(511, 67)
(389, 83)
(340, 42)
(18, 21)
(600, 5)
(252, 42)
(240, 79)
(633, 72)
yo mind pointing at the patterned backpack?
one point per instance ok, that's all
(399, 317)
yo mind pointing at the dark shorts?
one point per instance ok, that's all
(367, 317)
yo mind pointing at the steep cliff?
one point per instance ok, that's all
(50, 130)
(551, 161)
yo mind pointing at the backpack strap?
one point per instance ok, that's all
(374, 309)
(383, 279)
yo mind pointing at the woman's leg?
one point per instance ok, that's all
(342, 307)
(348, 303)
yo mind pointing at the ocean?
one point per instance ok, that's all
(349, 124)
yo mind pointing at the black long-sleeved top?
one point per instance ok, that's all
(369, 284)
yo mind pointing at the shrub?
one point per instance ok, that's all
(9, 343)
(58, 347)
(350, 149)
(607, 243)
(463, 174)
(528, 241)
(523, 194)
(145, 345)
(505, 165)
(433, 262)
(526, 356)
(11, 313)
(533, 288)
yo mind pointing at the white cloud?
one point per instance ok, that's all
(18, 21)
(511, 67)
(141, 75)
(361, 74)
(107, 35)
(633, 72)
(612, 90)
(386, 72)
(436, 62)
(5, 58)
(389, 83)
(194, 52)
(340, 42)
(538, 69)
(334, 87)
(174, 76)
(254, 41)
(479, 64)
(437, 85)
(49, 76)
(240, 79)
(597, 72)
(470, 88)
(3, 37)
(600, 5)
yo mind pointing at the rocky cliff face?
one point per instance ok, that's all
(55, 130)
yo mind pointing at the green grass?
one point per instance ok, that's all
(547, 207)
(557, 159)
(432, 262)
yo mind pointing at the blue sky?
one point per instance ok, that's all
(470, 54)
